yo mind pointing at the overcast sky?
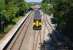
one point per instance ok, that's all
(33, 0)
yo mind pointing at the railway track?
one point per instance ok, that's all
(39, 37)
(28, 39)
(16, 42)
(47, 31)
(36, 40)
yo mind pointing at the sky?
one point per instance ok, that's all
(33, 0)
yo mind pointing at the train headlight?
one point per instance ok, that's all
(37, 23)
(34, 23)
(40, 23)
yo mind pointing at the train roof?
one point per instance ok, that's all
(37, 14)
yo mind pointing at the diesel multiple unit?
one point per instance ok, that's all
(37, 22)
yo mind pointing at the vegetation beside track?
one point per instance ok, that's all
(63, 17)
(10, 12)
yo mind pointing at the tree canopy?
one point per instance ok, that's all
(63, 15)
(11, 9)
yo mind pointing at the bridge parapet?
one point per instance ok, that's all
(12, 32)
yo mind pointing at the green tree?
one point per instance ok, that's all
(10, 10)
(63, 14)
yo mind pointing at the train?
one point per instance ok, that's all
(37, 20)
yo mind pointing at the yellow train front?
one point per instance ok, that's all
(37, 24)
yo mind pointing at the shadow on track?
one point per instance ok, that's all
(57, 41)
